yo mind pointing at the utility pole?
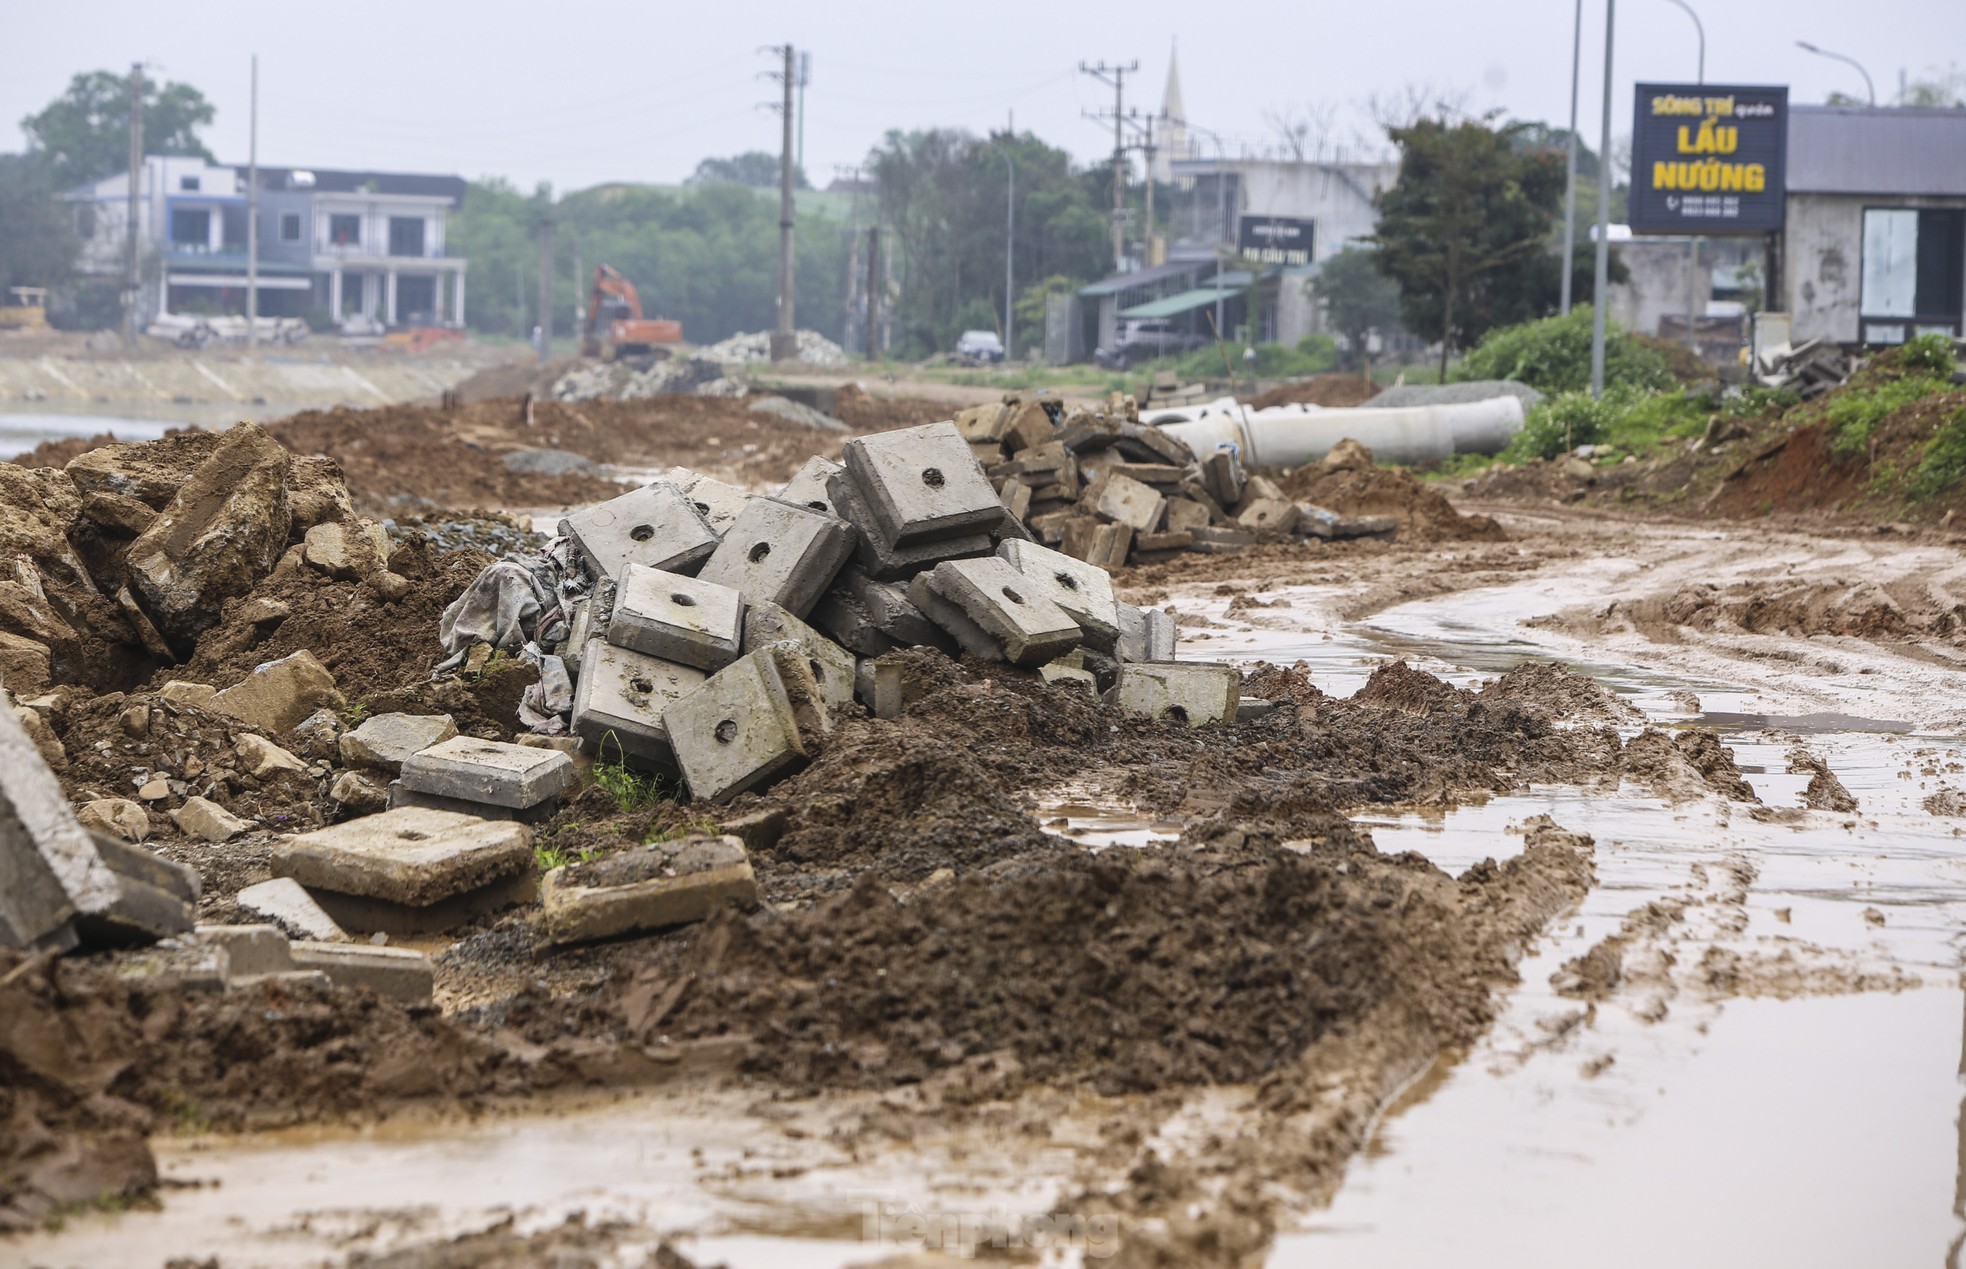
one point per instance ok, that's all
(1009, 252)
(1570, 178)
(579, 296)
(252, 217)
(1144, 125)
(873, 291)
(784, 340)
(1600, 277)
(805, 77)
(133, 278)
(1116, 76)
(545, 287)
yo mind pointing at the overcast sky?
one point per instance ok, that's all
(579, 94)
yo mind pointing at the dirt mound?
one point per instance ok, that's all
(58, 453)
(91, 1064)
(863, 411)
(1906, 611)
(1347, 481)
(1335, 391)
(1561, 693)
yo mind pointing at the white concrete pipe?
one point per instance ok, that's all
(1288, 436)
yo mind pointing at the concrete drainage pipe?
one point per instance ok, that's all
(1290, 436)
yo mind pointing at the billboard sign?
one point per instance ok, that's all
(1709, 159)
(1274, 239)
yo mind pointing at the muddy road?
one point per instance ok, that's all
(1633, 959)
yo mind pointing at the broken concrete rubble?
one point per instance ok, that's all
(278, 695)
(1191, 692)
(383, 742)
(50, 868)
(285, 903)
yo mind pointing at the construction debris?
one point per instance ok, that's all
(1807, 369)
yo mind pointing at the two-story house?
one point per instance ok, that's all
(349, 244)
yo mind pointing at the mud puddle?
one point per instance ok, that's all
(1781, 1029)
(729, 1177)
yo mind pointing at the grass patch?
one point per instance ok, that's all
(1943, 464)
(1854, 413)
(676, 832)
(1625, 421)
(547, 858)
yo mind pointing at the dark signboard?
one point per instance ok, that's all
(1274, 239)
(1709, 159)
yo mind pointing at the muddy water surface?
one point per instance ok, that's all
(1804, 1111)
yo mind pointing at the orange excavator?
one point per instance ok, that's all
(615, 325)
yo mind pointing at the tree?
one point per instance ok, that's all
(85, 133)
(38, 242)
(943, 191)
(1464, 226)
(1358, 299)
(753, 167)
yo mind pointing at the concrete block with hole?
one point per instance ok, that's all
(885, 562)
(661, 885)
(922, 484)
(411, 870)
(1146, 634)
(1009, 607)
(683, 619)
(1081, 589)
(808, 488)
(619, 699)
(832, 666)
(489, 771)
(1191, 692)
(760, 717)
(718, 503)
(654, 525)
(782, 554)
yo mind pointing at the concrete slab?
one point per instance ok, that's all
(619, 699)
(887, 605)
(661, 885)
(1059, 673)
(808, 488)
(654, 525)
(996, 596)
(385, 742)
(1251, 708)
(1184, 515)
(1146, 634)
(396, 795)
(398, 973)
(1126, 501)
(1083, 590)
(1191, 692)
(832, 666)
(489, 771)
(884, 562)
(687, 620)
(1268, 516)
(718, 503)
(410, 870)
(50, 869)
(285, 903)
(250, 950)
(742, 727)
(781, 553)
(847, 622)
(155, 899)
(922, 484)
(970, 637)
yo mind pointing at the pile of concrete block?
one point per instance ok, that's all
(722, 628)
(1105, 488)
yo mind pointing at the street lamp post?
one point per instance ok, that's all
(1600, 273)
(1570, 177)
(1693, 243)
(1869, 87)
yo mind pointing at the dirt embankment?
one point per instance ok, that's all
(1330, 391)
(1914, 614)
(1347, 481)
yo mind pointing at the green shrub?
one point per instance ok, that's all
(1932, 354)
(1944, 460)
(1854, 413)
(1554, 355)
(1626, 419)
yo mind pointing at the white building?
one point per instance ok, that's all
(353, 244)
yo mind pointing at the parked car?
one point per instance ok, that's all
(1144, 341)
(979, 346)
